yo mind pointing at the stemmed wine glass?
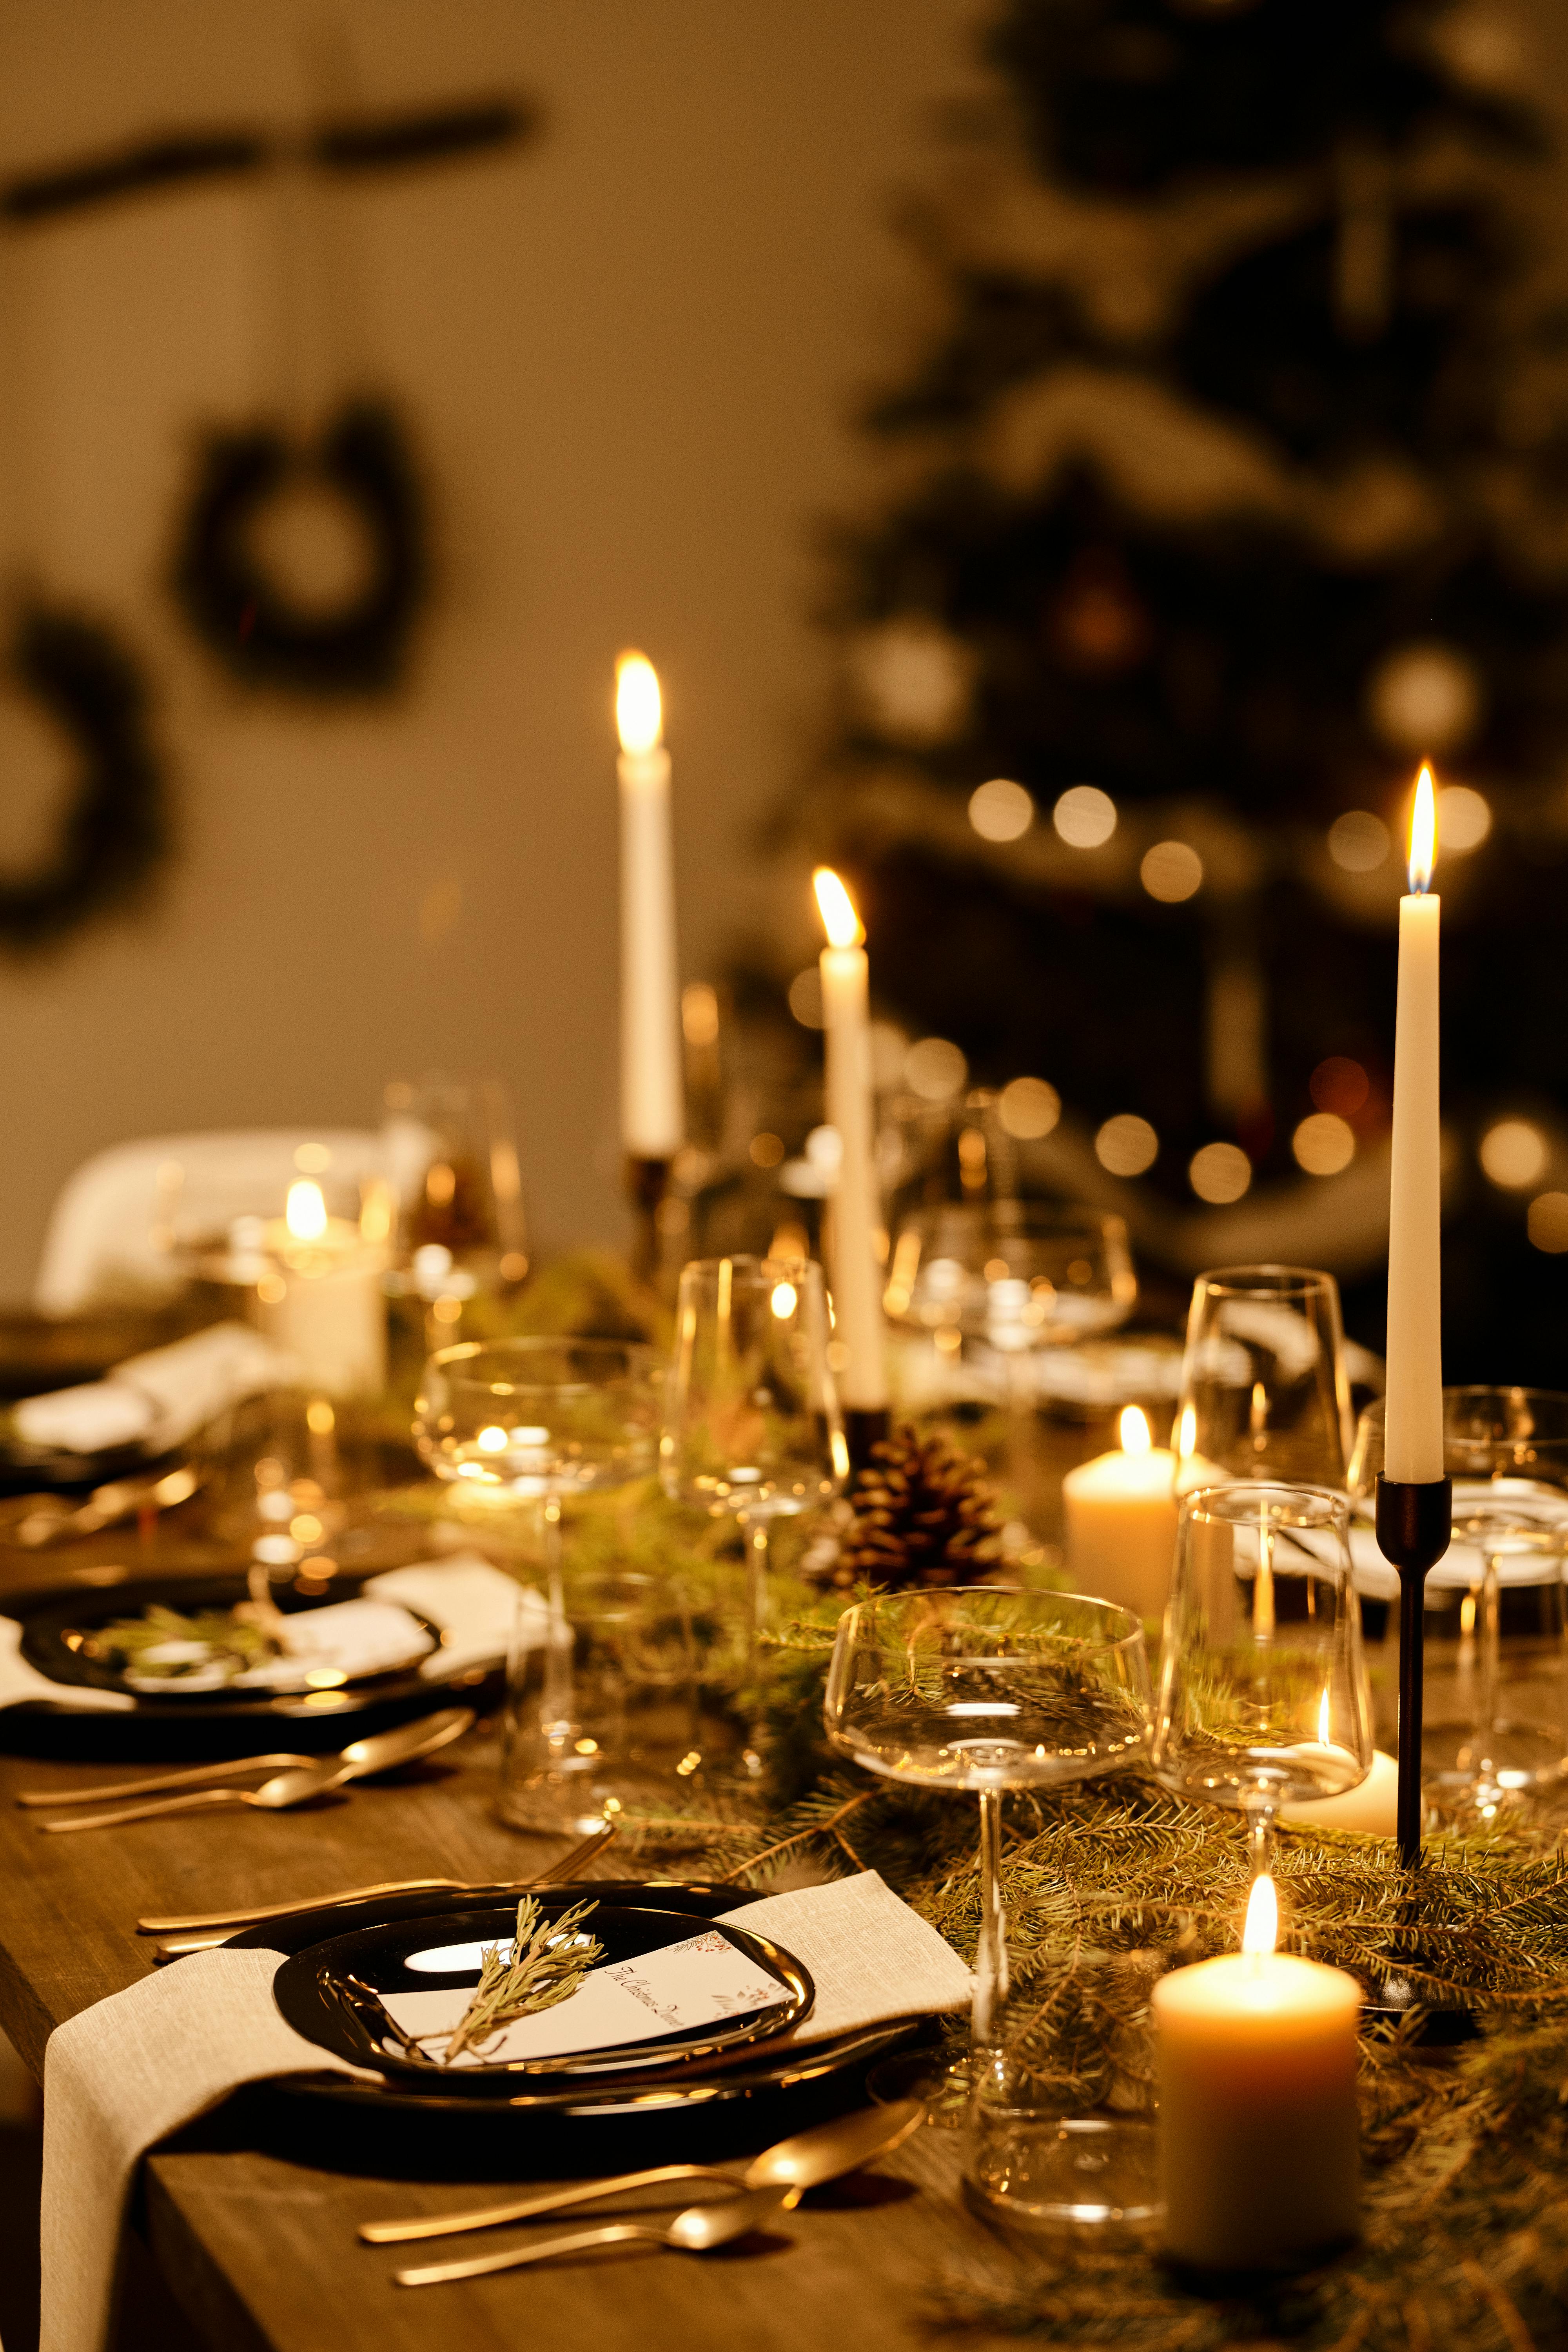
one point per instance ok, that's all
(1263, 1693)
(752, 1424)
(1265, 1393)
(983, 1689)
(516, 1424)
(1496, 1714)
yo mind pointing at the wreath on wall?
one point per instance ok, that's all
(114, 830)
(244, 616)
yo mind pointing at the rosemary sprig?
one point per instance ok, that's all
(547, 1966)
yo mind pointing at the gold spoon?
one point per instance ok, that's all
(696, 2231)
(361, 1758)
(275, 1796)
(825, 2153)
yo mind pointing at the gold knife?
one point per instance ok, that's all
(188, 1926)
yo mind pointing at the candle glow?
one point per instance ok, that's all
(305, 1212)
(640, 713)
(1133, 1431)
(1422, 835)
(839, 919)
(1261, 1931)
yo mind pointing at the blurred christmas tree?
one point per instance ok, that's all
(1233, 483)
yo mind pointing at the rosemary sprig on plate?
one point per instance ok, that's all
(548, 1965)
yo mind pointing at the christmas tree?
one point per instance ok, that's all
(1228, 488)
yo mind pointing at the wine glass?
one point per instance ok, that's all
(751, 1421)
(462, 1232)
(1495, 1718)
(1263, 1693)
(983, 1689)
(528, 1423)
(1264, 1393)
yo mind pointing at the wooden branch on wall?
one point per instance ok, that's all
(362, 144)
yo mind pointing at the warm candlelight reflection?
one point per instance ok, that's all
(1133, 1430)
(839, 919)
(305, 1212)
(1262, 1928)
(640, 715)
(1423, 834)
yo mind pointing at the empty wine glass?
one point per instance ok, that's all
(1495, 1718)
(751, 1422)
(1263, 1695)
(462, 1233)
(988, 1690)
(521, 1425)
(1264, 1393)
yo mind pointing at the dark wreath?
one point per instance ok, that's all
(115, 829)
(239, 612)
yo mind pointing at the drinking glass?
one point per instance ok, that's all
(1264, 1393)
(751, 1421)
(519, 1425)
(451, 1144)
(1263, 1693)
(1495, 1713)
(988, 1690)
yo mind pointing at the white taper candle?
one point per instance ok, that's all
(1414, 1433)
(653, 1122)
(857, 1213)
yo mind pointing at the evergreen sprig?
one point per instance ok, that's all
(548, 1964)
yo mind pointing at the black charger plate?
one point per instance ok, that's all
(329, 1993)
(206, 1724)
(564, 2128)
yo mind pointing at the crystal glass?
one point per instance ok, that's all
(516, 1427)
(1495, 1703)
(752, 1424)
(623, 1644)
(1264, 1393)
(988, 1690)
(1263, 1693)
(462, 1234)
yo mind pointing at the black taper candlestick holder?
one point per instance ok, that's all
(647, 1188)
(1413, 1527)
(864, 1427)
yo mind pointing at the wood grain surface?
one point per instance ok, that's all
(250, 2216)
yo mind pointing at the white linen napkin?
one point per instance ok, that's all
(123, 2075)
(474, 1604)
(160, 1398)
(20, 1681)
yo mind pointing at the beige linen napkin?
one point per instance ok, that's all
(126, 2073)
(871, 1957)
(123, 2076)
(474, 1604)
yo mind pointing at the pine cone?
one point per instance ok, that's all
(920, 1514)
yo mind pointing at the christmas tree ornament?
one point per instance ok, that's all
(920, 1513)
(1425, 698)
(913, 681)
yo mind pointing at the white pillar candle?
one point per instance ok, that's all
(1370, 1807)
(324, 1300)
(1260, 2148)
(1414, 1431)
(1120, 1511)
(653, 1119)
(856, 1208)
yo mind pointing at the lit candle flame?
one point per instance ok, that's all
(640, 715)
(305, 1212)
(1423, 834)
(839, 919)
(1261, 1931)
(1134, 1431)
(1187, 1435)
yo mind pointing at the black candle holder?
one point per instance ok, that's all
(864, 1427)
(1415, 1522)
(648, 1189)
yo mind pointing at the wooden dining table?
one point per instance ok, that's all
(242, 2231)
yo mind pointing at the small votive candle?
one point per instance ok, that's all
(1259, 2143)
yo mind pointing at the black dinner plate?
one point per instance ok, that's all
(769, 2090)
(330, 1992)
(208, 1725)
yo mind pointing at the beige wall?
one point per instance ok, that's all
(629, 353)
